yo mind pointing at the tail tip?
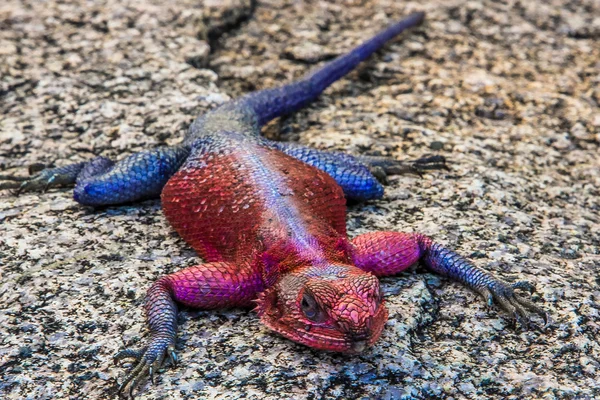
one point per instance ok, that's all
(418, 16)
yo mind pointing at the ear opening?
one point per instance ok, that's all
(266, 303)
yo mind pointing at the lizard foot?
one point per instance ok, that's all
(519, 307)
(430, 162)
(149, 360)
(417, 166)
(381, 167)
(40, 179)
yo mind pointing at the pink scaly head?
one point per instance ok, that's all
(327, 307)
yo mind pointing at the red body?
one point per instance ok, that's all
(255, 210)
(258, 207)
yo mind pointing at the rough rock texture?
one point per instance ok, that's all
(508, 91)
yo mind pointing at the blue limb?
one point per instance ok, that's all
(271, 103)
(445, 262)
(355, 178)
(359, 176)
(139, 176)
(101, 182)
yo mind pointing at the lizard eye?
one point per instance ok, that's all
(310, 308)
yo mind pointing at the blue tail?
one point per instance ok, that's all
(271, 103)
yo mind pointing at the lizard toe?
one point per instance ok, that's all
(13, 183)
(521, 308)
(12, 186)
(36, 183)
(431, 162)
(379, 174)
(172, 356)
(136, 354)
(149, 360)
(392, 166)
(525, 285)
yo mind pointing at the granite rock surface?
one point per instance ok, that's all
(509, 92)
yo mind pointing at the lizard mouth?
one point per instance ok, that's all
(329, 337)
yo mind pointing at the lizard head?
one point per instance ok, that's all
(335, 307)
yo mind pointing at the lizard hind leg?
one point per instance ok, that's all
(361, 177)
(137, 177)
(101, 182)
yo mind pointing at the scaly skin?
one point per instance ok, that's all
(269, 220)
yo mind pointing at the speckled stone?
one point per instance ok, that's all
(508, 92)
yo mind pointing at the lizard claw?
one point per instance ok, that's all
(417, 166)
(13, 178)
(12, 182)
(430, 162)
(10, 186)
(173, 358)
(18, 183)
(39, 182)
(41, 179)
(381, 167)
(521, 308)
(148, 359)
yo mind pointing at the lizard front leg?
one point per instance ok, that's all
(359, 176)
(388, 253)
(355, 178)
(207, 286)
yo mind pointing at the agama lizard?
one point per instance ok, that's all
(268, 218)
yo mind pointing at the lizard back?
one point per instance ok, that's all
(237, 200)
